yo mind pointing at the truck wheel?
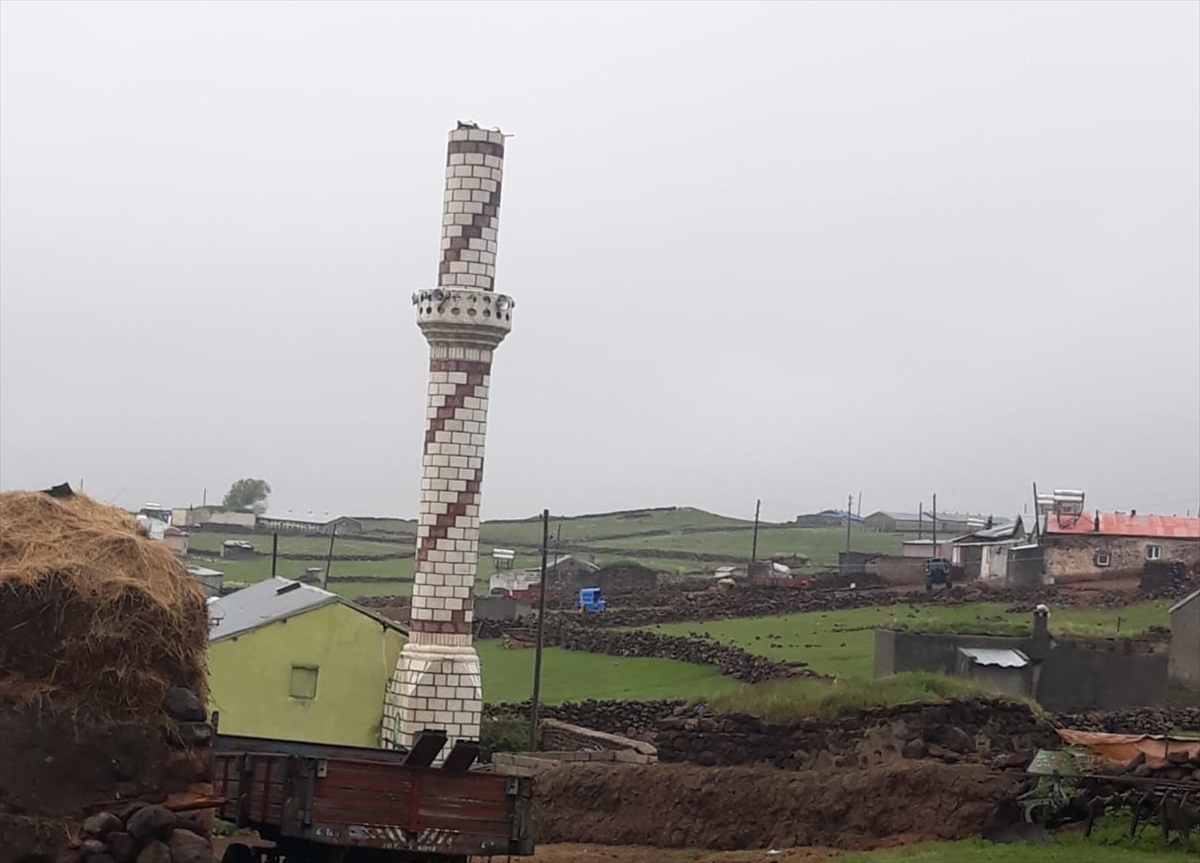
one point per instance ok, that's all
(239, 853)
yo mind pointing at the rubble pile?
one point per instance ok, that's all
(102, 684)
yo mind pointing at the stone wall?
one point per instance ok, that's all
(1146, 720)
(727, 658)
(1073, 556)
(990, 731)
(632, 719)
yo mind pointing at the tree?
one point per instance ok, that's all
(248, 494)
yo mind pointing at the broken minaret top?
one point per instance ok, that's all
(471, 208)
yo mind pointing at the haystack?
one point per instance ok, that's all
(95, 617)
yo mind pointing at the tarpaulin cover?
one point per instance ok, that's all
(1121, 748)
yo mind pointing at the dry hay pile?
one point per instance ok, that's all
(95, 617)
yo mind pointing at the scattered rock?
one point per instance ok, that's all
(187, 847)
(183, 705)
(154, 852)
(151, 822)
(122, 847)
(101, 824)
(88, 847)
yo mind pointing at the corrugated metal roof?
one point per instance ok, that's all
(991, 656)
(204, 570)
(926, 516)
(1120, 524)
(1191, 597)
(262, 603)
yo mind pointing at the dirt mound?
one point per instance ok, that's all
(93, 613)
(676, 806)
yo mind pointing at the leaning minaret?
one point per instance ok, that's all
(436, 683)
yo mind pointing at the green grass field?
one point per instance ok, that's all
(842, 643)
(662, 539)
(570, 676)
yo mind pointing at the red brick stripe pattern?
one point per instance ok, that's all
(451, 472)
(471, 214)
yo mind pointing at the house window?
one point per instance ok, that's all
(1102, 558)
(304, 682)
(1153, 552)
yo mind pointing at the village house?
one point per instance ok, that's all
(211, 580)
(196, 516)
(948, 523)
(984, 553)
(827, 518)
(289, 522)
(294, 662)
(1088, 545)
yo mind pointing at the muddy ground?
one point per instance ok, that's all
(731, 808)
(577, 853)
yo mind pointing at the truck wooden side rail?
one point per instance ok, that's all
(343, 804)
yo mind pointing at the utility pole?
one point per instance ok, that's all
(849, 512)
(274, 552)
(329, 558)
(754, 542)
(858, 509)
(933, 515)
(541, 631)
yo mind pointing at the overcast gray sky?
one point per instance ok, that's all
(773, 250)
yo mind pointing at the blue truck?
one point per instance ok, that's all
(589, 601)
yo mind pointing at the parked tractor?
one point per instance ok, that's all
(590, 601)
(937, 573)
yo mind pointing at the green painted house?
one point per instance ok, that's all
(291, 661)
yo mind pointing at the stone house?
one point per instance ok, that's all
(1089, 545)
(1183, 670)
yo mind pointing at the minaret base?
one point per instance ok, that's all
(434, 686)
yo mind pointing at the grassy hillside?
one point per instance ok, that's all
(673, 539)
